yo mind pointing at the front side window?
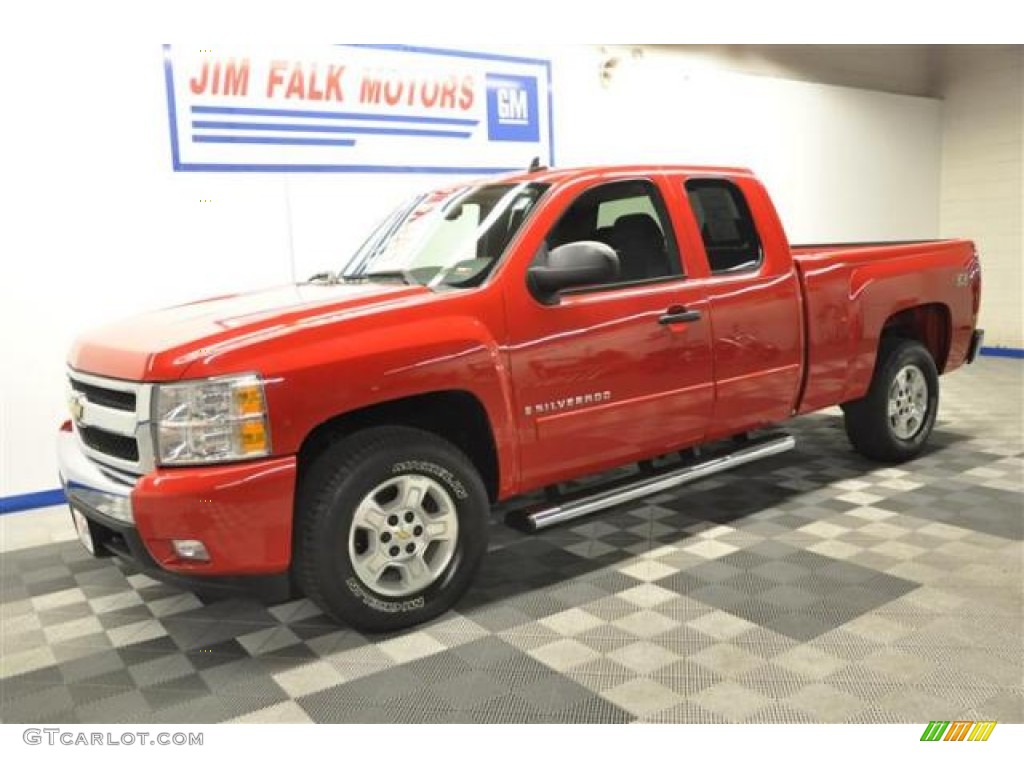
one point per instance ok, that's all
(726, 225)
(451, 238)
(629, 216)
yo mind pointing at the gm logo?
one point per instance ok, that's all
(512, 113)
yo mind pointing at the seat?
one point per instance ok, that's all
(641, 247)
(737, 253)
(604, 235)
(577, 224)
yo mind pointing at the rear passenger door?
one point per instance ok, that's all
(755, 301)
(610, 373)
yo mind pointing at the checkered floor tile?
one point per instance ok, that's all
(811, 587)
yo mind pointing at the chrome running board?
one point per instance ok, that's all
(545, 515)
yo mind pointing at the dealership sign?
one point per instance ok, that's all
(357, 108)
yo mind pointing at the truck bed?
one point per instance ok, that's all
(832, 249)
(852, 290)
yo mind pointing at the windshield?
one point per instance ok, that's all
(449, 238)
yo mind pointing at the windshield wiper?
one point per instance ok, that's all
(394, 274)
(323, 277)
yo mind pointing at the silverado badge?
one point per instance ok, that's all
(565, 403)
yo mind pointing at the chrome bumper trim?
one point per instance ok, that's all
(87, 484)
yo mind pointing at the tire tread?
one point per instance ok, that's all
(319, 488)
(866, 420)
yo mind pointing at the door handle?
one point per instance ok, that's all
(679, 315)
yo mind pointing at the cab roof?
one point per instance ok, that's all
(561, 175)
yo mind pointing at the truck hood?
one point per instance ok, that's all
(160, 345)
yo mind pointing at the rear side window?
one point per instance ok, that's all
(730, 237)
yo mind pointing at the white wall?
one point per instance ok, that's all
(97, 226)
(842, 164)
(982, 192)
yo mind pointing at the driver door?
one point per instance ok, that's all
(612, 373)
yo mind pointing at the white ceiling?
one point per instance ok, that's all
(915, 70)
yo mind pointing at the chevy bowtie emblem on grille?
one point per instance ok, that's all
(76, 404)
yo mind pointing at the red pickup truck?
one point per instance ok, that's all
(347, 438)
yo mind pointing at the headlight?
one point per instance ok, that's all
(211, 420)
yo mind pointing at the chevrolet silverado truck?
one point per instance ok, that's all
(347, 438)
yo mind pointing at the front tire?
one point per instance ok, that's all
(391, 528)
(893, 421)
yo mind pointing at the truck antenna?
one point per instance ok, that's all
(536, 166)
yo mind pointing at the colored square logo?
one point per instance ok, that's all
(512, 108)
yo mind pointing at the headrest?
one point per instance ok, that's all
(637, 225)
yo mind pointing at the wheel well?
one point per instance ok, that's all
(928, 324)
(457, 416)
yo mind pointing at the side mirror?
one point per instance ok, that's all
(573, 265)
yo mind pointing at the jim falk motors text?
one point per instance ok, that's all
(333, 83)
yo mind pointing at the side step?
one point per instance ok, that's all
(587, 502)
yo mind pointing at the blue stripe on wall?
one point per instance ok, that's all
(321, 128)
(1017, 354)
(262, 112)
(201, 139)
(31, 501)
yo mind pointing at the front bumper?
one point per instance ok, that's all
(86, 485)
(241, 512)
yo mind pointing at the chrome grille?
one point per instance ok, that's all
(111, 420)
(110, 398)
(126, 448)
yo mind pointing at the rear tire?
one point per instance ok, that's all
(391, 528)
(893, 421)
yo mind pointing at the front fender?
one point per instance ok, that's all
(320, 372)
